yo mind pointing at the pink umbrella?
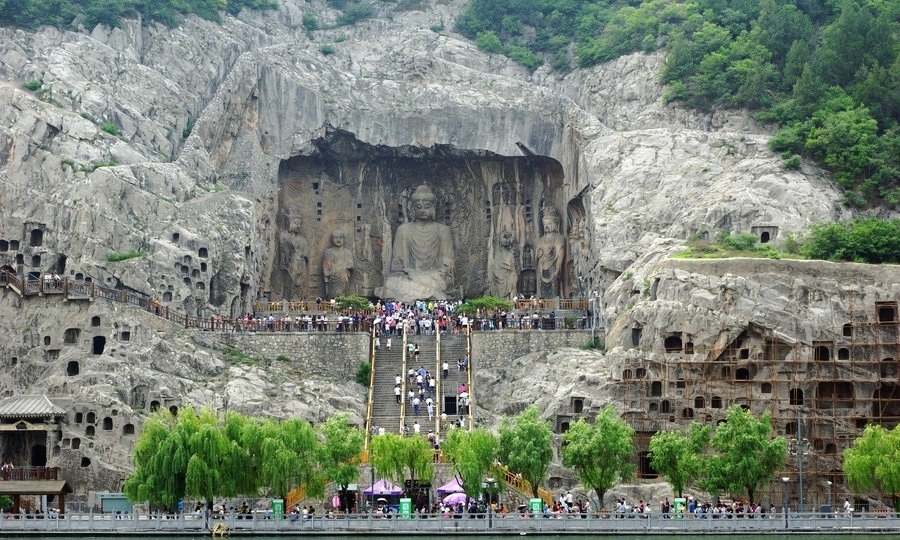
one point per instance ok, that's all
(455, 498)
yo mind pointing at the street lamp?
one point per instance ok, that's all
(490, 482)
(784, 481)
(800, 447)
(372, 501)
(830, 510)
(593, 300)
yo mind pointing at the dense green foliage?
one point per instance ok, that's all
(871, 463)
(600, 452)
(472, 454)
(483, 304)
(827, 72)
(207, 455)
(89, 13)
(400, 458)
(728, 245)
(118, 256)
(746, 455)
(863, 240)
(866, 240)
(679, 456)
(525, 446)
(339, 453)
(353, 302)
(364, 373)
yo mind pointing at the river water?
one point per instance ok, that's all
(622, 536)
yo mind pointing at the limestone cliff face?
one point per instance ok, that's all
(209, 121)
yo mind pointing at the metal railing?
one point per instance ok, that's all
(339, 322)
(514, 522)
(30, 473)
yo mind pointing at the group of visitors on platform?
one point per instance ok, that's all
(389, 318)
(695, 508)
(428, 317)
(249, 322)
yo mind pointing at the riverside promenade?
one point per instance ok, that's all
(481, 524)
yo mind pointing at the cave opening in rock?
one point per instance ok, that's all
(99, 343)
(497, 210)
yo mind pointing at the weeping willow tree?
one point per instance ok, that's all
(338, 454)
(871, 464)
(472, 454)
(204, 456)
(184, 455)
(159, 463)
(285, 456)
(399, 458)
(215, 463)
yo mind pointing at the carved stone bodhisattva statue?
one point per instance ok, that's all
(503, 273)
(422, 262)
(337, 266)
(551, 255)
(293, 259)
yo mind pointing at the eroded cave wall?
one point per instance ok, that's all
(493, 205)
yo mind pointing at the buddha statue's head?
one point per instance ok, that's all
(337, 238)
(293, 220)
(424, 203)
(550, 220)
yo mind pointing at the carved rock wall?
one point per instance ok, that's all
(366, 191)
(397, 103)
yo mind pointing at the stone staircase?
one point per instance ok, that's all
(453, 347)
(390, 362)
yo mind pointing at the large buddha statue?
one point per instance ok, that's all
(502, 272)
(551, 255)
(422, 260)
(337, 266)
(293, 258)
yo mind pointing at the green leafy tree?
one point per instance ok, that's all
(338, 453)
(182, 455)
(601, 452)
(401, 458)
(483, 304)
(873, 462)
(472, 454)
(746, 454)
(352, 302)
(865, 240)
(206, 456)
(285, 455)
(488, 42)
(525, 446)
(679, 456)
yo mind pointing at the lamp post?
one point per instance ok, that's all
(830, 509)
(593, 300)
(490, 482)
(784, 491)
(800, 447)
(372, 501)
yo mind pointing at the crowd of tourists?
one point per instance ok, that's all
(390, 318)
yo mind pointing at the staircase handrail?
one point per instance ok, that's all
(521, 485)
(369, 408)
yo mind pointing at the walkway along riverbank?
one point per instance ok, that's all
(482, 524)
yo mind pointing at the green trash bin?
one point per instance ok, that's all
(406, 508)
(678, 507)
(278, 508)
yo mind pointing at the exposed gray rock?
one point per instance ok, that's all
(638, 178)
